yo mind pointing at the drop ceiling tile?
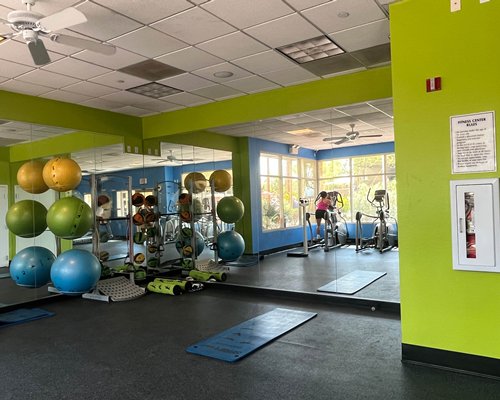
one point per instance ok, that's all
(75, 68)
(189, 59)
(286, 30)
(199, 1)
(3, 14)
(3, 79)
(119, 80)
(218, 92)
(326, 16)
(303, 4)
(245, 13)
(101, 104)
(10, 69)
(208, 72)
(363, 36)
(46, 78)
(130, 110)
(187, 99)
(234, 45)
(160, 106)
(120, 59)
(18, 52)
(146, 11)
(193, 26)
(266, 61)
(127, 98)
(67, 97)
(290, 76)
(24, 87)
(148, 42)
(102, 23)
(90, 89)
(186, 82)
(252, 84)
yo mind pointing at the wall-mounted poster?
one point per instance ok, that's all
(473, 143)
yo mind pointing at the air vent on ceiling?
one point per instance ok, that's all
(311, 49)
(151, 70)
(155, 90)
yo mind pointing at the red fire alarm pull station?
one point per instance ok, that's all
(433, 84)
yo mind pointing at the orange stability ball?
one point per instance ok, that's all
(62, 174)
(220, 180)
(30, 177)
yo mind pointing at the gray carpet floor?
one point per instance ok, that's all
(136, 350)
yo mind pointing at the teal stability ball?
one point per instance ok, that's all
(230, 209)
(31, 267)
(26, 218)
(230, 245)
(75, 272)
(69, 218)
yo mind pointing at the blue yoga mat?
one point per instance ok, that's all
(23, 315)
(352, 282)
(237, 342)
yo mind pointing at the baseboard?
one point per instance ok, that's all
(450, 360)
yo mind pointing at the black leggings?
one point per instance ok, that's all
(320, 214)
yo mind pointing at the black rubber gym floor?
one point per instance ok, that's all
(136, 350)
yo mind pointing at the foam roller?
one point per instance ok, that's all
(204, 276)
(185, 285)
(163, 288)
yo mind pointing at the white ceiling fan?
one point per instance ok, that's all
(349, 136)
(31, 25)
(173, 159)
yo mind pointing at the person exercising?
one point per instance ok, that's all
(323, 203)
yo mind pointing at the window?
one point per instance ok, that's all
(357, 177)
(283, 181)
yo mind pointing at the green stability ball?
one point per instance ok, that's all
(69, 218)
(26, 218)
(230, 209)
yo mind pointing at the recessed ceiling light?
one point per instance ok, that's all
(223, 74)
(343, 14)
(300, 132)
(154, 90)
(311, 49)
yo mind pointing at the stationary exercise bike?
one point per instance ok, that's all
(336, 234)
(385, 228)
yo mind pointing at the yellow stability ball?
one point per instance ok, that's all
(195, 182)
(30, 177)
(62, 174)
(220, 180)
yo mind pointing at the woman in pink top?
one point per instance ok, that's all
(323, 202)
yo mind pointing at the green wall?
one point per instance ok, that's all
(441, 308)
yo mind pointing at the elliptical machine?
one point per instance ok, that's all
(336, 234)
(385, 228)
(306, 222)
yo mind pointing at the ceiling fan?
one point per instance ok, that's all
(171, 158)
(349, 136)
(31, 25)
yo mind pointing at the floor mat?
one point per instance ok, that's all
(237, 342)
(352, 282)
(23, 315)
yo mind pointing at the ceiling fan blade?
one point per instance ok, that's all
(63, 19)
(378, 135)
(329, 139)
(38, 52)
(343, 140)
(86, 44)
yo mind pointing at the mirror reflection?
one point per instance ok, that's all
(321, 205)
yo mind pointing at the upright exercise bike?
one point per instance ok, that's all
(336, 234)
(385, 228)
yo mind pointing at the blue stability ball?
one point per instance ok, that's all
(75, 272)
(31, 267)
(230, 245)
